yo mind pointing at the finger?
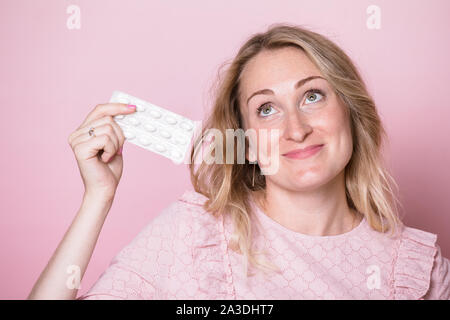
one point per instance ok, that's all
(82, 131)
(107, 109)
(119, 133)
(96, 124)
(91, 147)
(104, 130)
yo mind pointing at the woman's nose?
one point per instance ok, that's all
(296, 126)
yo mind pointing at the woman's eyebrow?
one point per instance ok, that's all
(297, 85)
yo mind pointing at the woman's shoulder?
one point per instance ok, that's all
(191, 197)
(180, 219)
(180, 225)
(187, 216)
(420, 270)
(191, 206)
(187, 206)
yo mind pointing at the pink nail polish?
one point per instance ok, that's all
(131, 106)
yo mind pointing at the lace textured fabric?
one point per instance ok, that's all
(183, 254)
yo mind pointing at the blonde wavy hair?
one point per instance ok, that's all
(228, 187)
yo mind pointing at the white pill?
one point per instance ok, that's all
(165, 134)
(129, 134)
(171, 120)
(160, 148)
(155, 114)
(186, 126)
(133, 121)
(145, 141)
(149, 127)
(141, 108)
(119, 117)
(180, 140)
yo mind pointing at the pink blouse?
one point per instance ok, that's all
(183, 254)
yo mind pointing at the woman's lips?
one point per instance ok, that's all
(304, 153)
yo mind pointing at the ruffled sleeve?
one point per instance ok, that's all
(414, 264)
(211, 260)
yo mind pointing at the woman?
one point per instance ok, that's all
(323, 226)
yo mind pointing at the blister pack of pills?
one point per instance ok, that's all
(155, 128)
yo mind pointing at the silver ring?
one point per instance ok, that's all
(91, 131)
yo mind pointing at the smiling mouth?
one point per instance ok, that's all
(304, 153)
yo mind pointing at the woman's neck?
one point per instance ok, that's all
(320, 212)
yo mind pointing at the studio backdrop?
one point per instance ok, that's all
(59, 59)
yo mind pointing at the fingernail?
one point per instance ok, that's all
(131, 106)
(120, 150)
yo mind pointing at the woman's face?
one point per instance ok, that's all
(303, 118)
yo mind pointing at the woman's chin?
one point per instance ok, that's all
(300, 183)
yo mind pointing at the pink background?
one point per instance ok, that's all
(168, 52)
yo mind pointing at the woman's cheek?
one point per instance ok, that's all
(269, 150)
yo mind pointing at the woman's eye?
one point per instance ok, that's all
(264, 110)
(312, 97)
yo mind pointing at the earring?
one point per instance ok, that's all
(253, 180)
